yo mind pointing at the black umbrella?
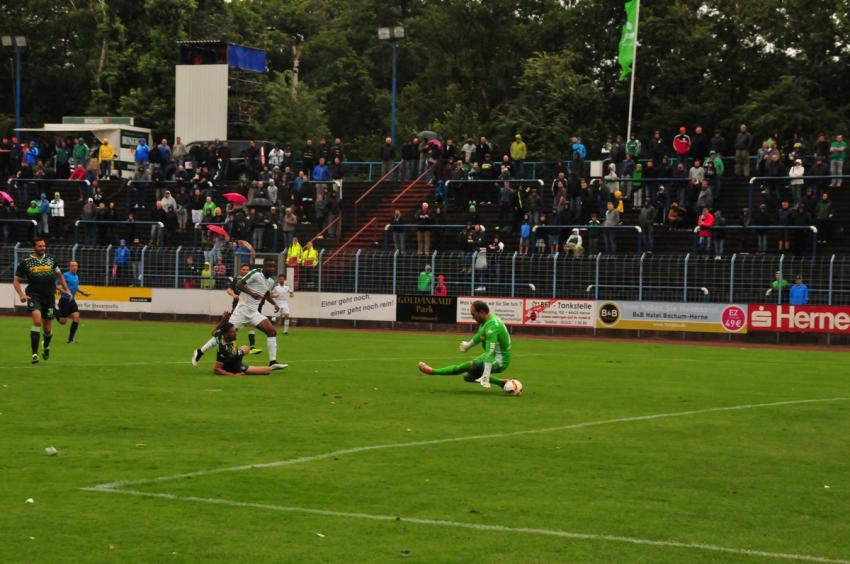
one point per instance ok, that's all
(260, 203)
(428, 135)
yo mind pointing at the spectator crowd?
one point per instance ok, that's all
(650, 184)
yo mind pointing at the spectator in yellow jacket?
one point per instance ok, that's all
(519, 152)
(309, 256)
(106, 154)
(293, 254)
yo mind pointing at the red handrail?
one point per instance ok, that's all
(409, 186)
(328, 226)
(351, 239)
(369, 191)
(375, 185)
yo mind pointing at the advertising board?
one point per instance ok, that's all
(799, 319)
(426, 309)
(671, 316)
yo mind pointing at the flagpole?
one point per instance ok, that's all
(634, 65)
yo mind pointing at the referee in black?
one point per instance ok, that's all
(40, 272)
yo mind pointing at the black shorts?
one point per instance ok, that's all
(235, 368)
(46, 305)
(67, 308)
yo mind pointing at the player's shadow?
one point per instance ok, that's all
(466, 392)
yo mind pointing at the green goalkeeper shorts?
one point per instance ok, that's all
(477, 368)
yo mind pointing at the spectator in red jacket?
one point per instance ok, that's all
(682, 145)
(440, 287)
(705, 223)
(78, 173)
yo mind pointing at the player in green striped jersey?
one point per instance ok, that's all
(41, 273)
(496, 341)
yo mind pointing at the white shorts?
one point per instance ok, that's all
(284, 308)
(243, 316)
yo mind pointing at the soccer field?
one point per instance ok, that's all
(616, 452)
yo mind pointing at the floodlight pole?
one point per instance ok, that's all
(393, 35)
(16, 42)
(392, 117)
(634, 67)
(17, 87)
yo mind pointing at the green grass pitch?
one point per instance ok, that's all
(596, 482)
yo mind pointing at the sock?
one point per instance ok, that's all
(252, 338)
(452, 369)
(286, 325)
(208, 345)
(498, 381)
(35, 336)
(47, 338)
(272, 343)
(74, 326)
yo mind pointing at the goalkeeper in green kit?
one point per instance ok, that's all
(496, 340)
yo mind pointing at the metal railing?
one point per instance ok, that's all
(199, 231)
(7, 227)
(785, 180)
(128, 231)
(22, 186)
(362, 197)
(758, 229)
(678, 278)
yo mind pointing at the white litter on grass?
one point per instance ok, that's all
(826, 486)
(30, 500)
(50, 451)
(140, 444)
(320, 535)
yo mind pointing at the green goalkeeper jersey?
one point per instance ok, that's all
(494, 337)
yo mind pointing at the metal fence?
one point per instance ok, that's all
(680, 278)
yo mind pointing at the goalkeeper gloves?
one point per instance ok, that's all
(465, 345)
(484, 380)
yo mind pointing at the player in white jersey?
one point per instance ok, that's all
(254, 287)
(282, 292)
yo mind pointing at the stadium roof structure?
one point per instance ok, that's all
(217, 52)
(70, 127)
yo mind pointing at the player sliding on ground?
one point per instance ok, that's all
(496, 340)
(254, 287)
(228, 360)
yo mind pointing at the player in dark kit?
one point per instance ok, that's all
(228, 360)
(41, 273)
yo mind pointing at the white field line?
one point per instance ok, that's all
(354, 450)
(483, 527)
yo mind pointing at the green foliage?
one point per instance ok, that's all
(545, 67)
(553, 103)
(285, 119)
(786, 105)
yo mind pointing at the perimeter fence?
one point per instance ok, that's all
(739, 278)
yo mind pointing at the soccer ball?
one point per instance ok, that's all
(513, 387)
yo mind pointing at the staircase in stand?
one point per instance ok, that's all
(376, 211)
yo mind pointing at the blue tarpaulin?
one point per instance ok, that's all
(246, 58)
